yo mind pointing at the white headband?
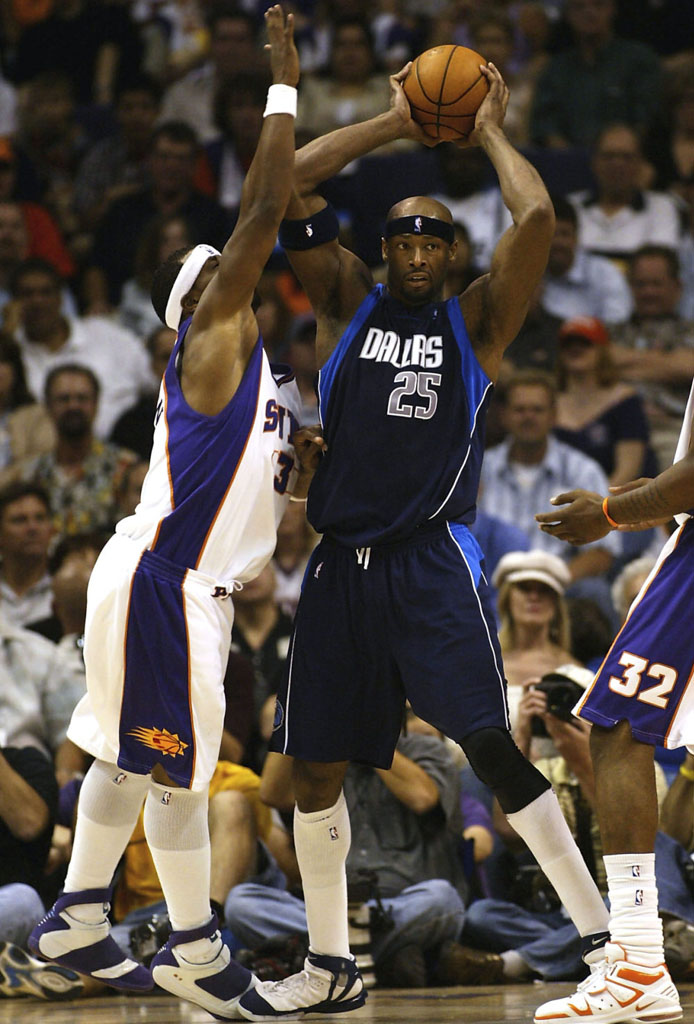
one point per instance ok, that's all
(187, 275)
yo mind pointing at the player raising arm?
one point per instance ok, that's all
(159, 606)
(395, 603)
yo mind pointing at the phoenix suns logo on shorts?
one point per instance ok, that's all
(160, 739)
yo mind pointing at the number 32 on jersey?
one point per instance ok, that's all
(632, 682)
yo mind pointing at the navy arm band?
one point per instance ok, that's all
(319, 228)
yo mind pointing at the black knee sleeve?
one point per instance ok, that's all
(497, 761)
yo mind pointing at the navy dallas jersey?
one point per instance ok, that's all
(402, 402)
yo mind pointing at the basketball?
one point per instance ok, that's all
(444, 88)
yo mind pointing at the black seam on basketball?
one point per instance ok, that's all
(443, 83)
(419, 83)
(463, 93)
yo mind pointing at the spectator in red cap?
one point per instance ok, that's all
(596, 412)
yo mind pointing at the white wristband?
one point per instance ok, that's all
(302, 500)
(281, 99)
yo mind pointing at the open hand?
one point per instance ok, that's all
(492, 109)
(401, 106)
(581, 521)
(284, 59)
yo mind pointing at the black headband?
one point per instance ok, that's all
(421, 226)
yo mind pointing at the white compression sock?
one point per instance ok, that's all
(108, 808)
(322, 840)
(544, 830)
(179, 839)
(634, 921)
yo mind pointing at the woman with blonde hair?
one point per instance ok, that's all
(534, 630)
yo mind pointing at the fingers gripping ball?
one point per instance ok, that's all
(444, 88)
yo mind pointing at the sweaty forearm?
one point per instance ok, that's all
(326, 156)
(521, 186)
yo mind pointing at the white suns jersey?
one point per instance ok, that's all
(684, 441)
(217, 486)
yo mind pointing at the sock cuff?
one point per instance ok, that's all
(338, 808)
(614, 862)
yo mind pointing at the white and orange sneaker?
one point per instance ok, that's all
(620, 991)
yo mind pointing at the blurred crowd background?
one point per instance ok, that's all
(126, 129)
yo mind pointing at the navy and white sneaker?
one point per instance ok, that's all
(327, 984)
(87, 948)
(216, 985)
(22, 975)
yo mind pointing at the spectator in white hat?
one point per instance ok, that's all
(533, 624)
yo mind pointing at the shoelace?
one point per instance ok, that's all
(597, 973)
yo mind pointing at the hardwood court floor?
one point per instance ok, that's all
(510, 1004)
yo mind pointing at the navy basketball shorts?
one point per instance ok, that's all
(377, 626)
(646, 678)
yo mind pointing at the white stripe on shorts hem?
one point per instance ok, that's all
(289, 690)
(486, 626)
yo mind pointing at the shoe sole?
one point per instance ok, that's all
(328, 1007)
(197, 996)
(49, 982)
(654, 1017)
(658, 1017)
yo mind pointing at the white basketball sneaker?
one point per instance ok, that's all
(622, 991)
(216, 985)
(327, 984)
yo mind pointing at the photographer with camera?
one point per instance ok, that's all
(533, 627)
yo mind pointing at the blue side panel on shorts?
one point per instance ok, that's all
(469, 548)
(326, 375)
(155, 724)
(651, 661)
(204, 453)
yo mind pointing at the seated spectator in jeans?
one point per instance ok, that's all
(533, 936)
(406, 826)
(28, 804)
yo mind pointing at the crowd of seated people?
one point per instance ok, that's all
(110, 163)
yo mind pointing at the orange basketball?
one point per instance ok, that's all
(445, 87)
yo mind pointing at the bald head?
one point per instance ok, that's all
(420, 206)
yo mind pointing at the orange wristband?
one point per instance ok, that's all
(607, 515)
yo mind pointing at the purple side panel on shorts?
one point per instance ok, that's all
(658, 631)
(155, 723)
(204, 454)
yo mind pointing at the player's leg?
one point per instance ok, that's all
(195, 963)
(451, 636)
(635, 975)
(633, 707)
(533, 811)
(75, 932)
(329, 713)
(330, 981)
